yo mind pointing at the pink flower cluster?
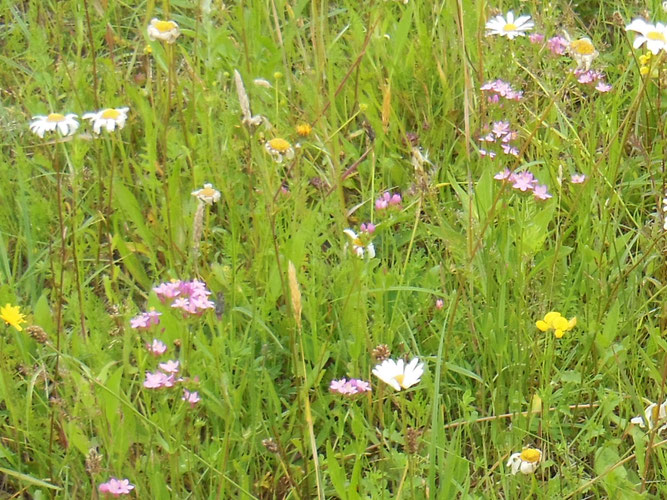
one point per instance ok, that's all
(388, 200)
(558, 45)
(592, 77)
(116, 487)
(499, 132)
(500, 88)
(367, 227)
(191, 397)
(145, 320)
(524, 181)
(160, 379)
(191, 297)
(349, 387)
(156, 348)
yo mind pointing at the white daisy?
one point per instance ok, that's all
(655, 36)
(509, 27)
(583, 52)
(110, 119)
(653, 415)
(207, 194)
(65, 124)
(278, 148)
(525, 462)
(399, 375)
(360, 248)
(167, 31)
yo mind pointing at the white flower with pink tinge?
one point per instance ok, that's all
(399, 375)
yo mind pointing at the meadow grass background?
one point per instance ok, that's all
(88, 226)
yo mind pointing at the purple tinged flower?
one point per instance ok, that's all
(395, 199)
(367, 227)
(381, 204)
(484, 152)
(500, 128)
(577, 178)
(349, 387)
(502, 89)
(116, 487)
(504, 175)
(557, 45)
(536, 38)
(168, 291)
(157, 347)
(524, 181)
(488, 138)
(510, 136)
(158, 380)
(191, 397)
(603, 87)
(139, 322)
(439, 304)
(508, 149)
(170, 366)
(540, 192)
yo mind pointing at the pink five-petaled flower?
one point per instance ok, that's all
(558, 45)
(158, 380)
(500, 128)
(508, 149)
(523, 181)
(168, 291)
(500, 88)
(170, 366)
(367, 227)
(157, 347)
(541, 192)
(145, 320)
(504, 175)
(349, 387)
(577, 178)
(603, 87)
(191, 397)
(116, 487)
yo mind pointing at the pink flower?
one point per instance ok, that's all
(508, 149)
(536, 38)
(488, 138)
(500, 128)
(439, 304)
(577, 178)
(157, 348)
(367, 227)
(395, 199)
(540, 192)
(557, 45)
(349, 387)
(484, 152)
(502, 89)
(158, 380)
(191, 397)
(168, 291)
(524, 181)
(504, 175)
(603, 87)
(170, 366)
(116, 487)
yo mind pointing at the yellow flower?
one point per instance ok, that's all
(583, 51)
(304, 129)
(12, 316)
(278, 148)
(525, 462)
(556, 322)
(166, 31)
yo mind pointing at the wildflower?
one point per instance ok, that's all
(500, 128)
(439, 304)
(557, 45)
(655, 36)
(381, 352)
(536, 38)
(278, 148)
(304, 129)
(603, 87)
(157, 347)
(508, 149)
(399, 375)
(484, 152)
(116, 487)
(555, 321)
(207, 194)
(360, 248)
(37, 333)
(145, 320)
(488, 138)
(583, 52)
(158, 380)
(109, 118)
(349, 387)
(12, 316)
(524, 181)
(525, 462)
(65, 124)
(540, 192)
(191, 397)
(500, 88)
(170, 366)
(504, 175)
(653, 416)
(166, 31)
(577, 178)
(367, 227)
(509, 27)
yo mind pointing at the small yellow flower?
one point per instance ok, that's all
(207, 194)
(583, 51)
(556, 322)
(278, 148)
(166, 31)
(304, 129)
(12, 316)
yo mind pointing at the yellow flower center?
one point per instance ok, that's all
(399, 378)
(207, 192)
(55, 117)
(509, 27)
(655, 35)
(582, 46)
(110, 114)
(531, 455)
(164, 26)
(304, 130)
(279, 145)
